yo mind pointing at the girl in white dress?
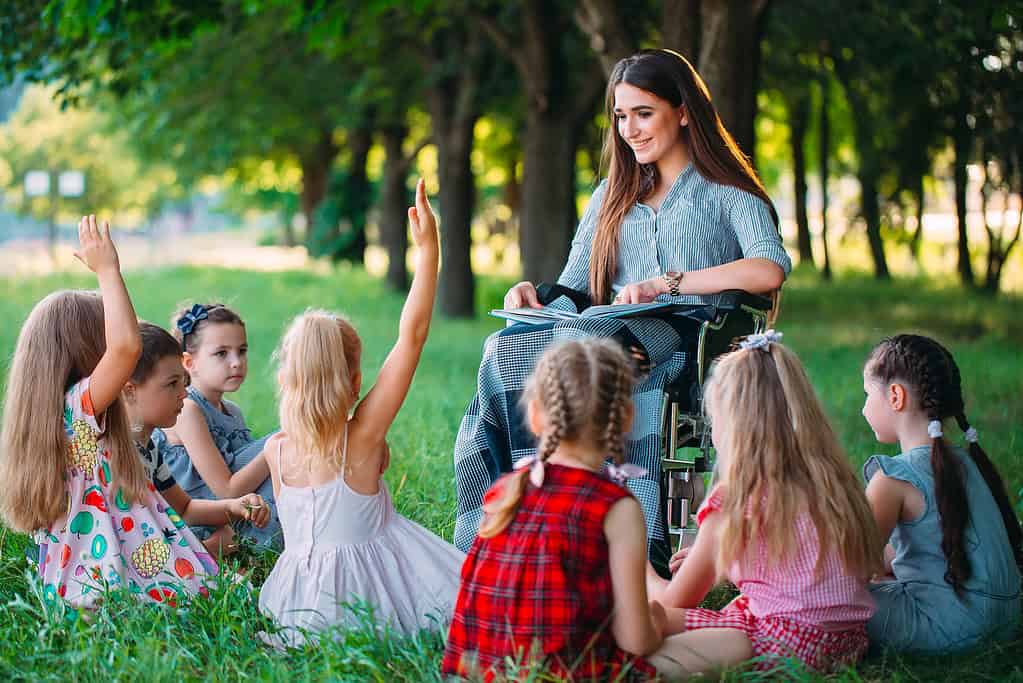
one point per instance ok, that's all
(343, 541)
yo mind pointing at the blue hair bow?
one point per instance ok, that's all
(190, 318)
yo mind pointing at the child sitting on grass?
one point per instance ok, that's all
(787, 523)
(954, 543)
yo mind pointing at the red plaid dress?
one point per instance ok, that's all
(540, 591)
(789, 610)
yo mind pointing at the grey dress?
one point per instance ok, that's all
(238, 448)
(918, 611)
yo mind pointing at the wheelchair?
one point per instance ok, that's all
(710, 330)
(685, 431)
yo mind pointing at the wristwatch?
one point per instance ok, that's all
(673, 278)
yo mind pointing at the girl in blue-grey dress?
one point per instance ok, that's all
(210, 451)
(680, 217)
(954, 551)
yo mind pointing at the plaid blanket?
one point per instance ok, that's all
(494, 435)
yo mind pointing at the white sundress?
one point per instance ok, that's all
(342, 547)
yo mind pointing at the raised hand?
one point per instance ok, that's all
(96, 250)
(678, 558)
(422, 219)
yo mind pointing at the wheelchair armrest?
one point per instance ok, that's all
(547, 292)
(731, 299)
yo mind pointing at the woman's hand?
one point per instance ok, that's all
(96, 249)
(642, 292)
(522, 295)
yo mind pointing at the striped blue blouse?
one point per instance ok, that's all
(700, 224)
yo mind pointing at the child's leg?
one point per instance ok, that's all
(701, 650)
(221, 542)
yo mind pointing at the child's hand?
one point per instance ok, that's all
(424, 223)
(250, 507)
(677, 559)
(96, 250)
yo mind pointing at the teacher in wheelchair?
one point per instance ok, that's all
(681, 217)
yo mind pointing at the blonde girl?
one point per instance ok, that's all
(344, 543)
(554, 579)
(787, 523)
(70, 470)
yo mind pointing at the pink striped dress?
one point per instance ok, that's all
(787, 608)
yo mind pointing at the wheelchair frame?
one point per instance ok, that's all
(685, 433)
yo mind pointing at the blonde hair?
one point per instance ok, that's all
(319, 358)
(59, 345)
(784, 460)
(584, 389)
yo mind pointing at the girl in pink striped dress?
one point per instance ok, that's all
(787, 523)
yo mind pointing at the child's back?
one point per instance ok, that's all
(990, 602)
(543, 582)
(342, 546)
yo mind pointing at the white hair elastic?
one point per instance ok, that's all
(761, 341)
(971, 435)
(934, 429)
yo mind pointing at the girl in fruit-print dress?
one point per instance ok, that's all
(71, 473)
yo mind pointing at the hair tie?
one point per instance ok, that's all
(189, 319)
(971, 435)
(536, 466)
(761, 341)
(627, 470)
(934, 429)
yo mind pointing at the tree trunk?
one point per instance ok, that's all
(680, 28)
(360, 140)
(394, 197)
(729, 47)
(453, 104)
(799, 115)
(823, 153)
(916, 238)
(316, 164)
(961, 141)
(602, 22)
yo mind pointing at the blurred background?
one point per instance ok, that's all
(277, 134)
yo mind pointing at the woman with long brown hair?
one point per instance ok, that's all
(680, 217)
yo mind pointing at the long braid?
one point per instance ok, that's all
(559, 421)
(617, 396)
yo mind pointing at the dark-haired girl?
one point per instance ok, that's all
(680, 217)
(954, 548)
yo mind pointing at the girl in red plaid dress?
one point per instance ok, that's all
(787, 523)
(554, 580)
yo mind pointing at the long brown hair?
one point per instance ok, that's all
(713, 151)
(319, 359)
(783, 460)
(584, 388)
(931, 374)
(59, 345)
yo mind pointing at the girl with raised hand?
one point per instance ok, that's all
(952, 576)
(554, 580)
(787, 523)
(344, 543)
(70, 470)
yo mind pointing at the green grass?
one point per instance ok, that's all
(831, 326)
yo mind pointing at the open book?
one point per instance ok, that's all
(539, 316)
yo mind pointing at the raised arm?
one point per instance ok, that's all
(698, 573)
(120, 326)
(194, 434)
(376, 412)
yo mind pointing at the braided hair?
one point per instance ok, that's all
(584, 389)
(933, 376)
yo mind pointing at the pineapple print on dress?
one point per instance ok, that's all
(150, 557)
(84, 449)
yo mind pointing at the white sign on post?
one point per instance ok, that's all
(37, 183)
(71, 184)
